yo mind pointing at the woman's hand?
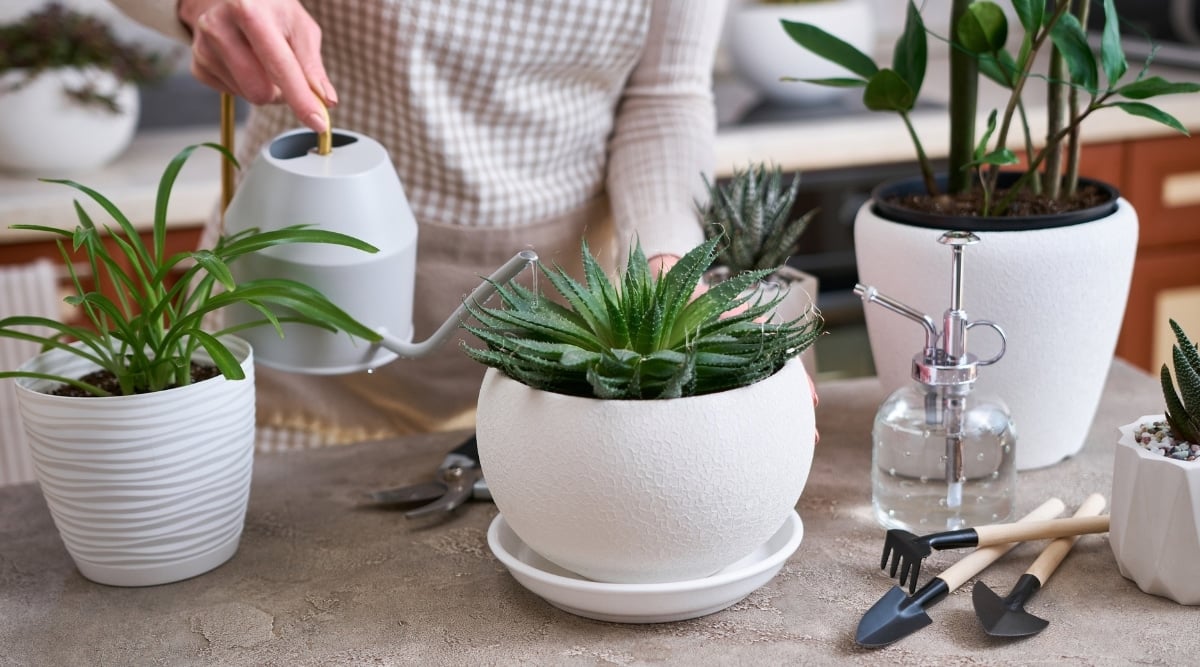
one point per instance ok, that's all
(266, 51)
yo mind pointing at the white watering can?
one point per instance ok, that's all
(350, 188)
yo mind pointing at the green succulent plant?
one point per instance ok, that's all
(1183, 407)
(750, 214)
(142, 329)
(640, 336)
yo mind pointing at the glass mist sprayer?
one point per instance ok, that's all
(943, 455)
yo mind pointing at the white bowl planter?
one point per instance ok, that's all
(144, 489)
(648, 491)
(1155, 525)
(762, 52)
(45, 130)
(1059, 293)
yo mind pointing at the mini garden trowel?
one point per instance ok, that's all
(1007, 617)
(896, 616)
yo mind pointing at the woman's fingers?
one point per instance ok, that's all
(266, 51)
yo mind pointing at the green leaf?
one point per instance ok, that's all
(1155, 86)
(1153, 113)
(834, 82)
(981, 147)
(983, 28)
(999, 67)
(1068, 35)
(888, 91)
(1111, 53)
(831, 48)
(221, 357)
(910, 55)
(1031, 14)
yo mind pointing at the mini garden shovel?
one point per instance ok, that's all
(1007, 617)
(897, 616)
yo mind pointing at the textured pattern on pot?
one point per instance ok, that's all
(1155, 529)
(647, 491)
(144, 489)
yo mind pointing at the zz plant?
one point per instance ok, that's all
(751, 215)
(143, 330)
(1079, 84)
(640, 336)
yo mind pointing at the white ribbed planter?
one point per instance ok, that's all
(144, 489)
(1059, 293)
(763, 53)
(1155, 531)
(646, 491)
(47, 131)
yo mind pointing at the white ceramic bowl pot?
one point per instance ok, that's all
(762, 53)
(1155, 524)
(648, 491)
(144, 489)
(1057, 288)
(47, 131)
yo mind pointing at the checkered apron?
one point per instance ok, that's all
(512, 124)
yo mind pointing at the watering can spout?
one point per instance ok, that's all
(483, 292)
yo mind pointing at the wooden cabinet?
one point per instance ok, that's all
(1161, 178)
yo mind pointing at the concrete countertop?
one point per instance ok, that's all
(320, 581)
(845, 137)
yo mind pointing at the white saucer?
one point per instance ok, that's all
(643, 603)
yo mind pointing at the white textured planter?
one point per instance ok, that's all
(144, 489)
(762, 52)
(1155, 524)
(1059, 294)
(46, 131)
(646, 491)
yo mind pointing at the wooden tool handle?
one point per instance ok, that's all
(973, 563)
(1040, 530)
(1056, 551)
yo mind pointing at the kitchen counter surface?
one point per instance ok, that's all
(320, 581)
(833, 136)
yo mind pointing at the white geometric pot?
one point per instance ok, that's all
(46, 130)
(145, 489)
(646, 491)
(1058, 292)
(763, 53)
(1155, 524)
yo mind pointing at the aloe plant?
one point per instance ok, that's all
(1183, 406)
(978, 38)
(147, 333)
(638, 336)
(750, 214)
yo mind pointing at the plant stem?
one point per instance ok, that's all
(1073, 145)
(964, 81)
(922, 159)
(1055, 93)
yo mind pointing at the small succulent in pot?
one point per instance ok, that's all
(58, 37)
(144, 309)
(640, 336)
(751, 215)
(1179, 436)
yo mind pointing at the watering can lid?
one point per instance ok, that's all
(352, 154)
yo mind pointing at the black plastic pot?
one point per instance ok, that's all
(916, 185)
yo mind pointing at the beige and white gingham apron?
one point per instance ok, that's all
(512, 124)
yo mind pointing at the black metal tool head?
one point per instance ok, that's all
(896, 615)
(1006, 617)
(906, 552)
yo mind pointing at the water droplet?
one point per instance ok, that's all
(370, 371)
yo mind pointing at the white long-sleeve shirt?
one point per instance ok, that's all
(508, 113)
